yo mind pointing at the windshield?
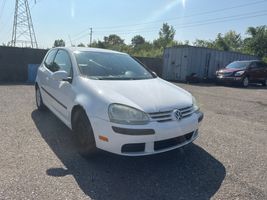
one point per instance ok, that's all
(110, 66)
(238, 65)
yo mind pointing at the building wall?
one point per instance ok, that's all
(155, 64)
(15, 63)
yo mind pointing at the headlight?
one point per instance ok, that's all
(239, 73)
(123, 114)
(195, 105)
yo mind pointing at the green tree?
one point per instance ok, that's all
(230, 41)
(97, 44)
(59, 43)
(138, 40)
(220, 43)
(204, 43)
(113, 39)
(81, 45)
(256, 43)
(233, 40)
(166, 36)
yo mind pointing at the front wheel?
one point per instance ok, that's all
(245, 82)
(264, 83)
(39, 101)
(84, 134)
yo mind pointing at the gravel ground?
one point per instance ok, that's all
(228, 161)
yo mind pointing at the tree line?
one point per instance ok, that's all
(255, 42)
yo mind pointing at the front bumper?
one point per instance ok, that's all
(157, 137)
(229, 79)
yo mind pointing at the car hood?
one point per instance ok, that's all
(227, 70)
(150, 95)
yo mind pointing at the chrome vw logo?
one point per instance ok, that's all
(178, 115)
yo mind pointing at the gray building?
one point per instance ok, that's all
(183, 61)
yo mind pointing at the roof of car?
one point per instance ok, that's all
(247, 60)
(90, 49)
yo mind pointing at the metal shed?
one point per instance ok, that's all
(182, 61)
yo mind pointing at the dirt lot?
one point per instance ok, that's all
(228, 161)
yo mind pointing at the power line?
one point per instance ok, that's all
(187, 16)
(2, 8)
(82, 36)
(108, 28)
(91, 36)
(196, 25)
(200, 24)
(81, 33)
(195, 22)
(98, 29)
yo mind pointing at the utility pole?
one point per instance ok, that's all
(23, 31)
(70, 41)
(91, 36)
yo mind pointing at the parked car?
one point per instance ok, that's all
(113, 102)
(244, 73)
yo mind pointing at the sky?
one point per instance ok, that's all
(71, 20)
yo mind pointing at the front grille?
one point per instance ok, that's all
(186, 112)
(169, 115)
(164, 144)
(161, 116)
(225, 74)
(133, 148)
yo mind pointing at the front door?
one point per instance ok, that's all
(62, 91)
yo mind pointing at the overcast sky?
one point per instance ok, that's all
(72, 19)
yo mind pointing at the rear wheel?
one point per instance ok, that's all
(39, 101)
(84, 134)
(245, 82)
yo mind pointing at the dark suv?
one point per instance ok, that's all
(243, 72)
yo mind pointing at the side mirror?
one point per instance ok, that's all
(60, 76)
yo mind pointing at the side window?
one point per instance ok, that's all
(253, 65)
(63, 62)
(260, 64)
(49, 59)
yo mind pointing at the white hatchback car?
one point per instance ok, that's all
(115, 103)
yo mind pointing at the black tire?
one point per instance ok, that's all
(264, 83)
(245, 82)
(83, 131)
(218, 83)
(38, 99)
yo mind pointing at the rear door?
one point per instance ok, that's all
(255, 71)
(262, 70)
(265, 71)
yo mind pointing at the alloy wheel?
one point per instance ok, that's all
(245, 82)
